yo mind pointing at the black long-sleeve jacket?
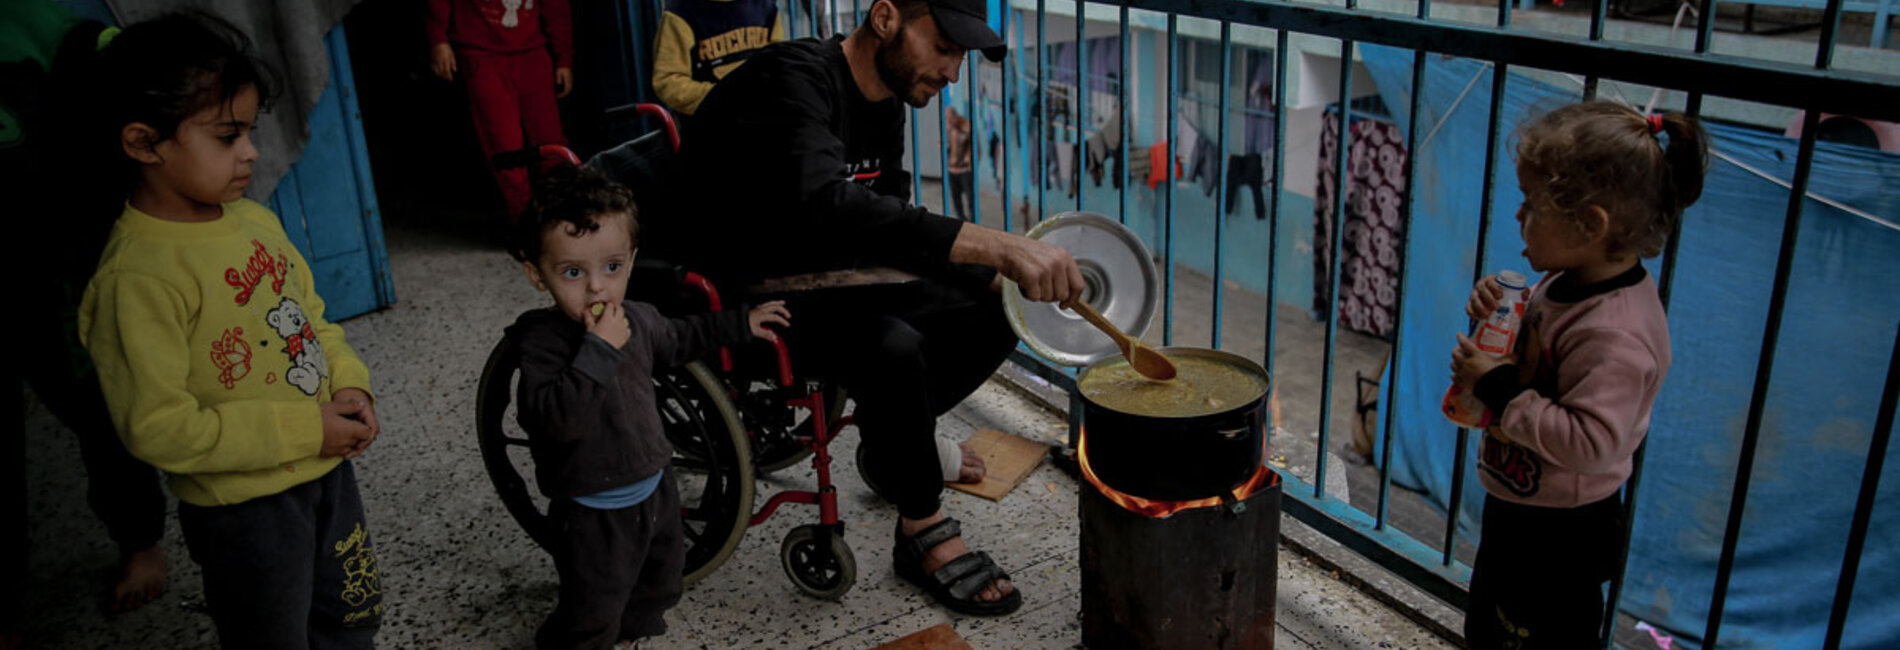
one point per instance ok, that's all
(589, 408)
(791, 170)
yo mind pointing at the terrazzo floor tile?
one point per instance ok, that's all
(458, 573)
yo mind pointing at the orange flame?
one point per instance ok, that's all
(1162, 509)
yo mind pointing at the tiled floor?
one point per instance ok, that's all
(459, 574)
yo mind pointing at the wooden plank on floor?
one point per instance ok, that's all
(1007, 460)
(938, 637)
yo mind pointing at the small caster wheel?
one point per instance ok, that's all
(819, 562)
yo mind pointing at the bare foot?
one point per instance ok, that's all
(141, 580)
(943, 553)
(973, 469)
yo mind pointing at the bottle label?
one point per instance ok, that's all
(1494, 340)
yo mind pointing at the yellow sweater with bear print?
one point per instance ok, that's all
(213, 352)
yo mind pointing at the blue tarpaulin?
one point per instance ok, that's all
(1834, 346)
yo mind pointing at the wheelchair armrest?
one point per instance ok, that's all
(705, 286)
(784, 362)
(654, 272)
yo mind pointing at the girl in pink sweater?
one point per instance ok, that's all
(1603, 186)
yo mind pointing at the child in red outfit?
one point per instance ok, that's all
(517, 57)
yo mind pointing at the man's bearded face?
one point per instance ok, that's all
(916, 62)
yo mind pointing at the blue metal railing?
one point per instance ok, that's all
(1435, 570)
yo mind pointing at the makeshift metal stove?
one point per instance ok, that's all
(1180, 543)
(1180, 520)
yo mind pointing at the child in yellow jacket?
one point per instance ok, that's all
(702, 41)
(213, 354)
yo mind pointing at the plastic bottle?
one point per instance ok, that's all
(1496, 336)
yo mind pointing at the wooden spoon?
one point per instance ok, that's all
(1143, 359)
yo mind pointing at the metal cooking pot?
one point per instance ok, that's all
(1177, 458)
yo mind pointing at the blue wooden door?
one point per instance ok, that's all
(328, 202)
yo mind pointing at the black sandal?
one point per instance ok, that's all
(957, 583)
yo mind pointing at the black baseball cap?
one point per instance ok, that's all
(966, 23)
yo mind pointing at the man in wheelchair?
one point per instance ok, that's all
(794, 190)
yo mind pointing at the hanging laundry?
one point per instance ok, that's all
(1105, 144)
(1369, 256)
(1186, 139)
(1245, 170)
(1257, 125)
(1205, 168)
(1157, 169)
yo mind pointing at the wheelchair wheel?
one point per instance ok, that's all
(711, 461)
(504, 446)
(819, 562)
(712, 464)
(776, 428)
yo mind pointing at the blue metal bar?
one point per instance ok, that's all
(1220, 177)
(1607, 632)
(1830, 32)
(1273, 194)
(856, 11)
(1391, 383)
(1167, 211)
(971, 85)
(1665, 284)
(1335, 239)
(1764, 369)
(1389, 548)
(1121, 110)
(1704, 39)
(1864, 506)
(1705, 31)
(1058, 377)
(1044, 133)
(1500, 77)
(1081, 102)
(1599, 13)
(943, 155)
(1868, 95)
(1003, 78)
(916, 162)
(1220, 222)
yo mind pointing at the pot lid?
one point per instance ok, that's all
(1122, 284)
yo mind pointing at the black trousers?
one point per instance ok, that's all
(1249, 172)
(292, 570)
(620, 570)
(960, 189)
(907, 353)
(1538, 580)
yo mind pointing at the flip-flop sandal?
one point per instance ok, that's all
(957, 583)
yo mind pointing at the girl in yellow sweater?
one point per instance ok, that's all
(215, 359)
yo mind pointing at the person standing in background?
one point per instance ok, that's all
(517, 57)
(702, 41)
(958, 173)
